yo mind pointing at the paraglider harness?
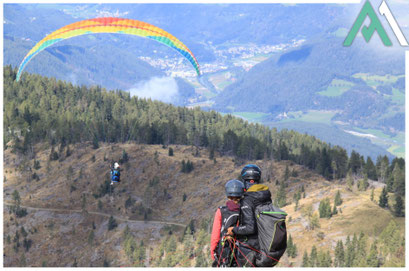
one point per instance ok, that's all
(226, 250)
(115, 175)
(271, 235)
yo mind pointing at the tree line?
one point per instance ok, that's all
(40, 109)
(362, 251)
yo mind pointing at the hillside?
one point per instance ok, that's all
(153, 189)
(61, 139)
(315, 65)
(337, 87)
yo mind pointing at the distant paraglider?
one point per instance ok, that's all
(111, 25)
(116, 174)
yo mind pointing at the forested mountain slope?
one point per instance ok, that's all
(60, 141)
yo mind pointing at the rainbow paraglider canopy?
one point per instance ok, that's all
(111, 25)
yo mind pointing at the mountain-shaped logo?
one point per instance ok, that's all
(375, 25)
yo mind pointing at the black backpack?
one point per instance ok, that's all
(272, 234)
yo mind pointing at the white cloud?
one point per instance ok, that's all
(164, 89)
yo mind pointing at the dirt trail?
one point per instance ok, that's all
(97, 213)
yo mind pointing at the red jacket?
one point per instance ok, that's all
(217, 226)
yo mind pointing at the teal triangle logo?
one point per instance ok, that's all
(367, 31)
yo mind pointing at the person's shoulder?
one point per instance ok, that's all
(258, 188)
(246, 200)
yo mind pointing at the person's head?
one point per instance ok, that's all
(250, 174)
(116, 166)
(234, 190)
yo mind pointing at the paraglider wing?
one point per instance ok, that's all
(111, 25)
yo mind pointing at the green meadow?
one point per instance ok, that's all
(376, 80)
(336, 88)
(310, 116)
(394, 144)
(251, 116)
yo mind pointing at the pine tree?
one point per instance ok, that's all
(183, 166)
(190, 166)
(327, 260)
(211, 154)
(295, 253)
(373, 260)
(313, 257)
(16, 199)
(370, 169)
(360, 251)
(125, 157)
(383, 199)
(350, 252)
(23, 232)
(382, 164)
(339, 260)
(389, 183)
(324, 259)
(36, 165)
(286, 173)
(305, 260)
(350, 180)
(53, 154)
(315, 221)
(398, 207)
(112, 223)
(325, 208)
(95, 143)
(398, 180)
(372, 193)
(334, 169)
(291, 248)
(338, 200)
(170, 153)
(139, 255)
(363, 183)
(281, 197)
(354, 162)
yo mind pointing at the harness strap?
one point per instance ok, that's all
(261, 252)
(233, 249)
(245, 257)
(220, 257)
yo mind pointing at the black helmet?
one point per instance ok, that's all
(250, 172)
(234, 188)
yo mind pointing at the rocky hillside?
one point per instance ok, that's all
(65, 193)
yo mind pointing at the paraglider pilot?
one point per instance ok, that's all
(115, 174)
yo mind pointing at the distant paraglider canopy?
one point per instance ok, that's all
(111, 25)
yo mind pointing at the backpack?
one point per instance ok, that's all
(224, 251)
(272, 234)
(115, 174)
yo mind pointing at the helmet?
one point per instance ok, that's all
(116, 165)
(234, 188)
(250, 172)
